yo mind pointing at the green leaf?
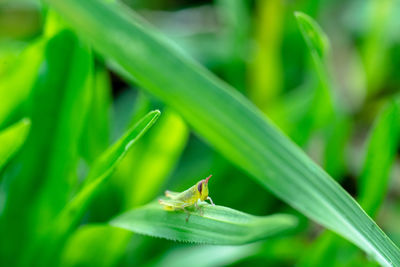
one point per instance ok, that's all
(52, 241)
(236, 18)
(96, 133)
(266, 76)
(337, 138)
(136, 179)
(375, 46)
(95, 245)
(12, 138)
(217, 225)
(316, 39)
(373, 182)
(14, 88)
(227, 120)
(108, 160)
(381, 152)
(322, 107)
(162, 148)
(43, 177)
(205, 256)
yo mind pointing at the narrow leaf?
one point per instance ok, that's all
(315, 37)
(95, 135)
(217, 225)
(12, 138)
(70, 216)
(163, 148)
(373, 182)
(15, 89)
(43, 177)
(227, 120)
(381, 152)
(322, 108)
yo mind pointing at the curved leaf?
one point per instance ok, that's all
(46, 169)
(316, 39)
(227, 120)
(12, 138)
(381, 152)
(72, 213)
(217, 225)
(15, 89)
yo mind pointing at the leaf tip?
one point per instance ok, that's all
(299, 15)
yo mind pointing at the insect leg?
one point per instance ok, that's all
(187, 212)
(212, 203)
(196, 205)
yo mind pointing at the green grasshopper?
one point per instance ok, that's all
(187, 198)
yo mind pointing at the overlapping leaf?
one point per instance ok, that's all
(227, 120)
(12, 138)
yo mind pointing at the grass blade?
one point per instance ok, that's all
(219, 225)
(95, 135)
(267, 74)
(227, 120)
(322, 108)
(43, 184)
(316, 39)
(162, 148)
(12, 138)
(137, 180)
(15, 89)
(70, 216)
(380, 155)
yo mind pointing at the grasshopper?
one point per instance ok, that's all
(187, 198)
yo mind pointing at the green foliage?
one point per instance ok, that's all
(316, 39)
(77, 76)
(379, 157)
(12, 139)
(12, 86)
(58, 112)
(90, 241)
(211, 107)
(71, 214)
(373, 184)
(209, 225)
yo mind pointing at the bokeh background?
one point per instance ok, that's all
(255, 46)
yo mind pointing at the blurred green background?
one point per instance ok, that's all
(342, 113)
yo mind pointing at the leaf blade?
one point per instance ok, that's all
(12, 138)
(316, 39)
(211, 107)
(381, 152)
(219, 225)
(70, 215)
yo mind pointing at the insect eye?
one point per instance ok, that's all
(199, 187)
